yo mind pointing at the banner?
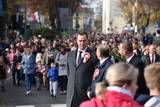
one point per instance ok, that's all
(88, 21)
(1, 8)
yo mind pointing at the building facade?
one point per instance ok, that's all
(84, 20)
(112, 17)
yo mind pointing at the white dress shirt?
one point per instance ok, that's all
(78, 54)
(130, 58)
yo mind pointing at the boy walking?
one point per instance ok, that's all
(53, 80)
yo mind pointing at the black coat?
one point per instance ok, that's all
(16, 60)
(100, 77)
(142, 99)
(147, 61)
(138, 63)
(79, 78)
(2, 72)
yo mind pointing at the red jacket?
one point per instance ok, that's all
(112, 99)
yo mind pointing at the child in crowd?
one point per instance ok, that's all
(39, 70)
(53, 80)
(44, 78)
(117, 89)
(152, 77)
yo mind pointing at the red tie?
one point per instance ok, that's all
(152, 59)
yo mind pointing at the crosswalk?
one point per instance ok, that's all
(45, 105)
(26, 106)
(58, 105)
(16, 97)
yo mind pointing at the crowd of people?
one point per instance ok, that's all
(104, 69)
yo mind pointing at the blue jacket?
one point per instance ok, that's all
(100, 77)
(53, 74)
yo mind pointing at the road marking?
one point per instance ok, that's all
(51, 105)
(26, 106)
(58, 105)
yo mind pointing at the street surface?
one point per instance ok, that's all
(15, 97)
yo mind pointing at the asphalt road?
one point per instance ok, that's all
(15, 97)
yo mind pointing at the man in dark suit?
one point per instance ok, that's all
(152, 57)
(81, 64)
(100, 70)
(126, 50)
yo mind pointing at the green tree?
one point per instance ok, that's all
(10, 6)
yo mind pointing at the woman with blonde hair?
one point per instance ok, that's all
(28, 66)
(118, 88)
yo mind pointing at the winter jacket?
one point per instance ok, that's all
(112, 99)
(28, 64)
(153, 102)
(53, 74)
(62, 59)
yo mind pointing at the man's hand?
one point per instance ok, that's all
(62, 64)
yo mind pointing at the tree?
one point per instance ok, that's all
(50, 7)
(2, 21)
(11, 6)
(141, 12)
(8, 11)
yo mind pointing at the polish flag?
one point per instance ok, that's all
(35, 16)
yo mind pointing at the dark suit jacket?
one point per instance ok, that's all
(102, 70)
(142, 99)
(79, 78)
(147, 61)
(138, 63)
(16, 59)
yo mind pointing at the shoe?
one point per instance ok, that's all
(54, 97)
(51, 95)
(61, 92)
(64, 92)
(28, 92)
(38, 89)
(14, 83)
(18, 84)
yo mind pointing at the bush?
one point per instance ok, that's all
(44, 32)
(64, 35)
